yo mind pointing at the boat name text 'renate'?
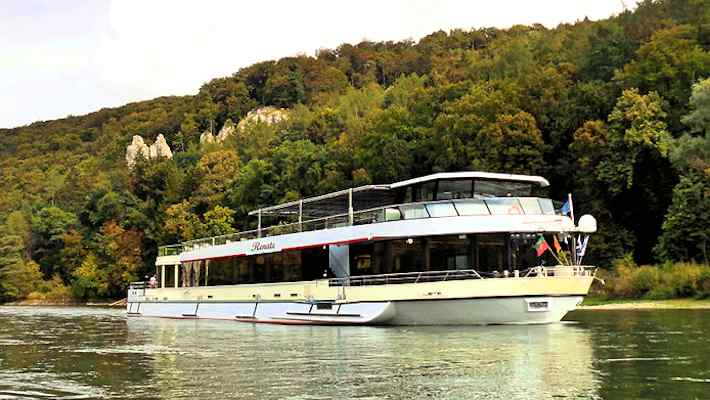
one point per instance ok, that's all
(262, 247)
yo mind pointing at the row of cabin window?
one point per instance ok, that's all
(464, 189)
(482, 252)
(285, 266)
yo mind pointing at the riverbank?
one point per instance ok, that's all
(47, 303)
(592, 303)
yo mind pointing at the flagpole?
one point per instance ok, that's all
(574, 242)
(553, 255)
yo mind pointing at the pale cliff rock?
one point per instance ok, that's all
(227, 130)
(137, 147)
(159, 149)
(268, 115)
(207, 137)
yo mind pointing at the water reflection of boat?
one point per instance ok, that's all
(503, 362)
(448, 248)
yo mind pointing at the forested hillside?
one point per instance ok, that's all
(615, 111)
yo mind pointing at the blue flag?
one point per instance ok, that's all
(582, 246)
(566, 208)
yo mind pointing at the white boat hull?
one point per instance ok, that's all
(471, 311)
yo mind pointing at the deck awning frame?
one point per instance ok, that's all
(371, 196)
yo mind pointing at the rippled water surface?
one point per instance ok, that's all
(76, 353)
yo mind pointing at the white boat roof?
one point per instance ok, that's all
(472, 175)
(372, 196)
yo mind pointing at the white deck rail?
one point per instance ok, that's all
(404, 211)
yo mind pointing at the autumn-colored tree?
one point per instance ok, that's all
(119, 255)
(216, 171)
(181, 223)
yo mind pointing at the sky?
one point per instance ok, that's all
(71, 57)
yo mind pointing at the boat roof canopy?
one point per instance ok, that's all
(473, 175)
(373, 196)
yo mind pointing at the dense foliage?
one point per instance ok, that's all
(667, 281)
(616, 111)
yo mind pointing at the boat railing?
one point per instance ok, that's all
(170, 250)
(396, 212)
(137, 285)
(136, 290)
(567, 271)
(405, 277)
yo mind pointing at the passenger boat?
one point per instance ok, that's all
(447, 248)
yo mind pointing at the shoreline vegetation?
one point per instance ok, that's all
(627, 281)
(40, 303)
(627, 286)
(595, 303)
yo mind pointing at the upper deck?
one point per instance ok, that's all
(453, 194)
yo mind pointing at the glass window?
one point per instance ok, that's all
(504, 205)
(530, 205)
(461, 189)
(414, 211)
(491, 252)
(392, 214)
(546, 206)
(502, 188)
(450, 252)
(471, 207)
(426, 191)
(441, 210)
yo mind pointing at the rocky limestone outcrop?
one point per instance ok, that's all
(159, 149)
(136, 147)
(268, 115)
(207, 137)
(227, 130)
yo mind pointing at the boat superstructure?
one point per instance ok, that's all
(447, 248)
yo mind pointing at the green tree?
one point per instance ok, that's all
(181, 223)
(699, 117)
(215, 171)
(669, 64)
(18, 277)
(89, 281)
(48, 226)
(635, 124)
(285, 85)
(219, 221)
(19, 225)
(513, 143)
(252, 188)
(686, 227)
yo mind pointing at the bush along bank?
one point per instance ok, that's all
(627, 280)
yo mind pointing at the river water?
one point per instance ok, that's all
(77, 353)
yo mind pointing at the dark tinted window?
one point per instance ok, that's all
(459, 189)
(502, 188)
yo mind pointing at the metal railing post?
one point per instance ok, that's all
(351, 215)
(258, 226)
(300, 215)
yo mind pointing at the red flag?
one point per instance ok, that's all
(541, 246)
